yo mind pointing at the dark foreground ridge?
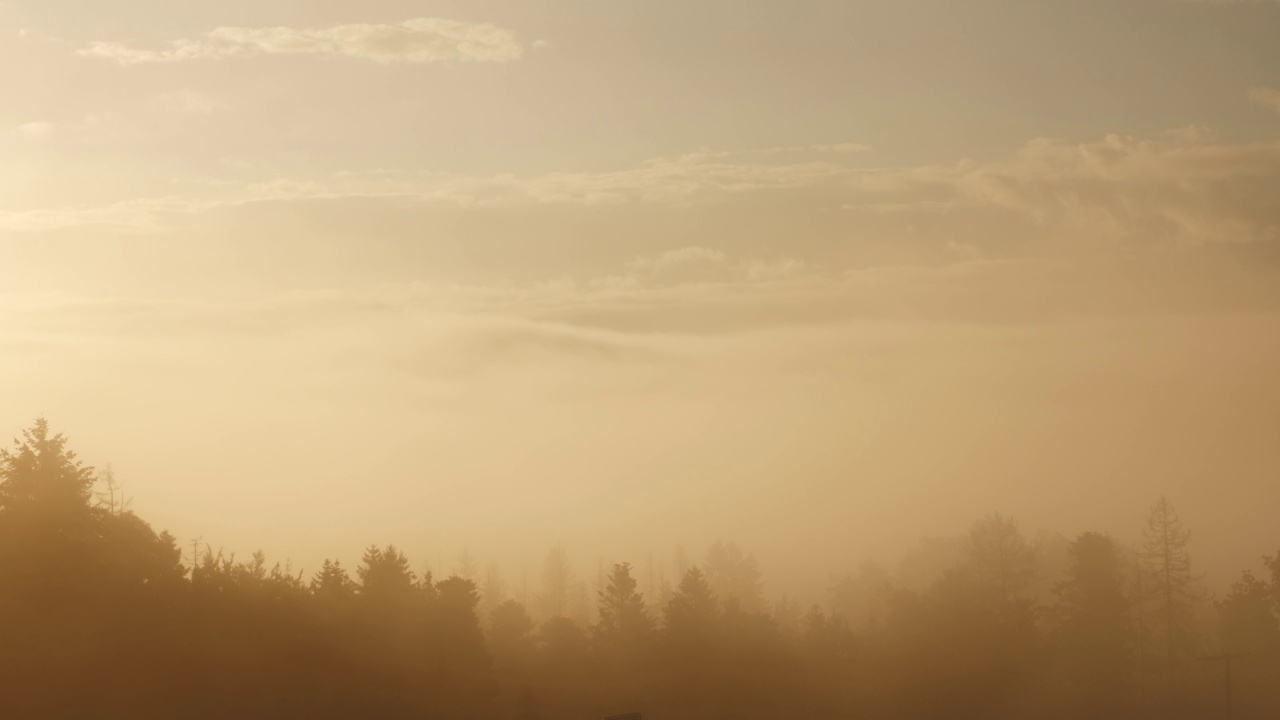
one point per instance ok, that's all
(101, 617)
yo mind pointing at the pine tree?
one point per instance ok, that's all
(39, 474)
(511, 630)
(623, 623)
(463, 664)
(1248, 617)
(385, 575)
(1167, 563)
(692, 610)
(332, 584)
(1094, 631)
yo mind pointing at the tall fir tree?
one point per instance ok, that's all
(1166, 561)
(623, 623)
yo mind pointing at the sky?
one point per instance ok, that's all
(819, 276)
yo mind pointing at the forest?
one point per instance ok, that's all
(103, 617)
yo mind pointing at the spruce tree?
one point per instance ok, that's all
(1167, 563)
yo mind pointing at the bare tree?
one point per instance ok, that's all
(112, 497)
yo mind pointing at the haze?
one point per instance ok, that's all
(820, 278)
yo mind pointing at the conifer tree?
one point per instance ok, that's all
(1167, 562)
(333, 584)
(39, 473)
(1094, 632)
(623, 622)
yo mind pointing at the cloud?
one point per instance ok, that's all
(1266, 97)
(146, 215)
(1123, 190)
(1176, 189)
(188, 102)
(681, 256)
(34, 129)
(680, 179)
(763, 271)
(178, 50)
(420, 40)
(841, 148)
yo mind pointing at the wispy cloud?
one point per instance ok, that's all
(1266, 97)
(132, 216)
(1124, 190)
(1176, 189)
(177, 51)
(187, 102)
(681, 256)
(420, 40)
(841, 148)
(37, 129)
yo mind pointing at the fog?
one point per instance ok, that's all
(828, 281)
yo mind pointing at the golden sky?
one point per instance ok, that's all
(822, 276)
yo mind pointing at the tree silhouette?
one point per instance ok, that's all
(332, 585)
(1247, 613)
(1094, 631)
(735, 577)
(462, 662)
(623, 624)
(466, 567)
(692, 617)
(112, 497)
(863, 598)
(564, 643)
(494, 590)
(1002, 560)
(1166, 560)
(787, 614)
(385, 575)
(511, 630)
(99, 618)
(39, 474)
(557, 580)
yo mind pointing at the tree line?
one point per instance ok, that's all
(102, 617)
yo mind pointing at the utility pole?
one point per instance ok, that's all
(1226, 661)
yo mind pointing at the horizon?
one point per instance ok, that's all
(625, 277)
